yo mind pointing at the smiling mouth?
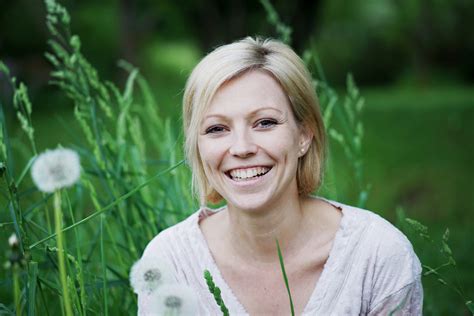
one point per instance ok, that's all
(248, 173)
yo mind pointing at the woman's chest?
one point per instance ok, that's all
(263, 291)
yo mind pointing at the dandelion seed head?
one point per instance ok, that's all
(173, 302)
(13, 240)
(56, 169)
(174, 299)
(149, 273)
(152, 275)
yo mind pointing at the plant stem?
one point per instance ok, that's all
(104, 268)
(79, 259)
(16, 289)
(58, 216)
(48, 220)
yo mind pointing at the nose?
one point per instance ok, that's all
(242, 145)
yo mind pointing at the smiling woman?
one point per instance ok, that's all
(250, 143)
(255, 139)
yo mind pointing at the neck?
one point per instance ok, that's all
(253, 234)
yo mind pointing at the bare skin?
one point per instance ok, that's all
(248, 261)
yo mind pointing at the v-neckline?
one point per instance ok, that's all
(318, 292)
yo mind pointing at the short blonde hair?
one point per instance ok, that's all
(230, 61)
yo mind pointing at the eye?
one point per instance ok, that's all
(215, 129)
(266, 123)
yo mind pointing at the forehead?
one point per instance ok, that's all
(250, 92)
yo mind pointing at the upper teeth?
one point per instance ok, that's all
(248, 173)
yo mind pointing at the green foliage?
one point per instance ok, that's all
(125, 145)
(285, 278)
(23, 107)
(283, 31)
(216, 292)
(121, 129)
(438, 272)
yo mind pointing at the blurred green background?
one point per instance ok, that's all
(412, 60)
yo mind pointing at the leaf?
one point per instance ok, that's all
(75, 42)
(442, 281)
(446, 249)
(446, 235)
(421, 229)
(282, 265)
(5, 311)
(470, 306)
(4, 69)
(32, 280)
(351, 86)
(336, 136)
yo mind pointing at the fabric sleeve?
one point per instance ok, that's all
(396, 282)
(158, 249)
(406, 301)
(143, 302)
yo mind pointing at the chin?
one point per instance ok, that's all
(250, 202)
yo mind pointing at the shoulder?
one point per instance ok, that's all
(390, 246)
(386, 255)
(377, 235)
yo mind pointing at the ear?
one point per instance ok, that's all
(305, 139)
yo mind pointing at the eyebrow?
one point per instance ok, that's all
(253, 113)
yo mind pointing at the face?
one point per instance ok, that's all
(250, 142)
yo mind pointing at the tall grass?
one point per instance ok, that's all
(133, 185)
(134, 182)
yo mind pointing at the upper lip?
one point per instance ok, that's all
(248, 167)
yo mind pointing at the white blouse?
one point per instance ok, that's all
(371, 270)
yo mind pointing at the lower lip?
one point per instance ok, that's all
(250, 182)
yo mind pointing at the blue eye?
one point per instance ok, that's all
(266, 123)
(214, 129)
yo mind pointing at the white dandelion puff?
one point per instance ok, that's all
(149, 273)
(174, 299)
(13, 240)
(56, 169)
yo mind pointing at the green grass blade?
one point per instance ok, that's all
(80, 276)
(25, 171)
(114, 203)
(470, 306)
(104, 268)
(32, 280)
(282, 265)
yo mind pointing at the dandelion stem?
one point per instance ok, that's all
(62, 264)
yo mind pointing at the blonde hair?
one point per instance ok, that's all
(228, 62)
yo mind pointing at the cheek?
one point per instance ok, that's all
(210, 152)
(281, 145)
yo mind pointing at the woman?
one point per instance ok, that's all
(255, 139)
